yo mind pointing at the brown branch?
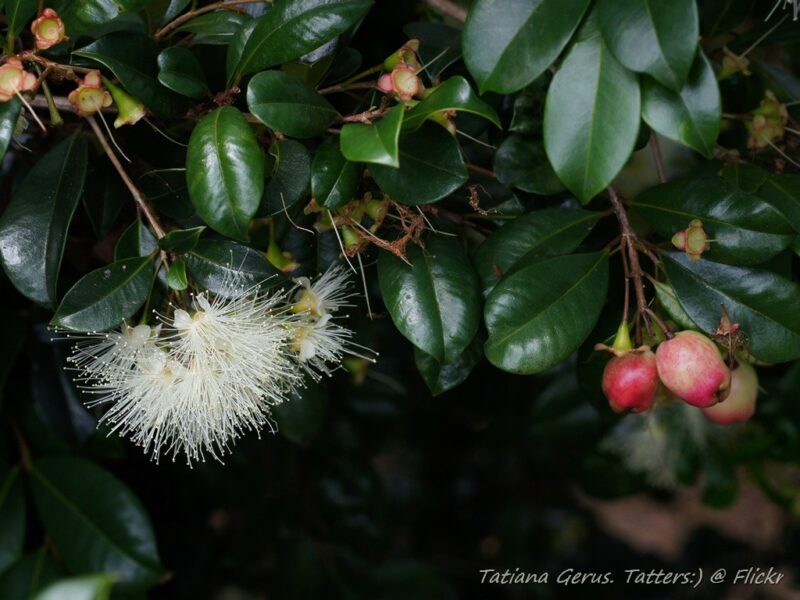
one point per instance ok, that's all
(344, 87)
(177, 22)
(138, 197)
(448, 9)
(481, 170)
(629, 243)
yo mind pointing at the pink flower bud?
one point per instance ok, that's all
(385, 83)
(14, 79)
(405, 82)
(48, 29)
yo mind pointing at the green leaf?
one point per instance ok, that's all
(766, 305)
(293, 28)
(509, 43)
(136, 240)
(377, 143)
(292, 178)
(454, 94)
(521, 162)
(535, 235)
(225, 172)
(284, 103)
(180, 71)
(9, 116)
(181, 241)
(167, 190)
(81, 16)
(669, 302)
(216, 27)
(690, 116)
(746, 177)
(745, 230)
(435, 301)
(28, 575)
(105, 297)
(17, 14)
(133, 59)
(440, 45)
(441, 377)
(216, 265)
(236, 47)
(783, 192)
(176, 276)
(85, 587)
(33, 228)
(334, 179)
(431, 167)
(648, 36)
(591, 117)
(12, 519)
(541, 313)
(94, 521)
(103, 199)
(300, 418)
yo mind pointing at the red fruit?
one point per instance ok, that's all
(741, 401)
(691, 367)
(630, 381)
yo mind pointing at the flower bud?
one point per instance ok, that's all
(48, 29)
(131, 110)
(405, 82)
(740, 404)
(732, 63)
(768, 123)
(693, 240)
(89, 97)
(385, 83)
(14, 79)
(691, 367)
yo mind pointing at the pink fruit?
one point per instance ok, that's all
(630, 381)
(691, 367)
(741, 401)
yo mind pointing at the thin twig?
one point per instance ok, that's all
(138, 197)
(448, 9)
(656, 148)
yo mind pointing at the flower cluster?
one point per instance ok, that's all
(211, 371)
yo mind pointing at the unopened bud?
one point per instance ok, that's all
(693, 240)
(14, 79)
(732, 63)
(48, 29)
(89, 97)
(768, 123)
(385, 83)
(406, 55)
(405, 82)
(131, 110)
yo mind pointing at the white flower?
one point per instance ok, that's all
(107, 355)
(329, 292)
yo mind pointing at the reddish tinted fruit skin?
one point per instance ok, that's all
(740, 404)
(691, 367)
(630, 381)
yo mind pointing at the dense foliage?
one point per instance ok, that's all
(523, 191)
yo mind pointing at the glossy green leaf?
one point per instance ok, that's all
(28, 575)
(236, 47)
(766, 305)
(541, 313)
(748, 178)
(12, 519)
(181, 240)
(300, 418)
(783, 192)
(33, 228)
(293, 28)
(85, 587)
(136, 240)
(454, 94)
(745, 230)
(17, 14)
(435, 301)
(440, 45)
(291, 181)
(225, 172)
(94, 521)
(538, 234)
(334, 179)
(168, 192)
(81, 16)
(591, 116)
(216, 265)
(669, 302)
(509, 43)
(9, 116)
(133, 59)
(284, 103)
(104, 197)
(216, 26)
(180, 71)
(105, 297)
(431, 167)
(376, 143)
(521, 162)
(176, 276)
(441, 377)
(690, 116)
(648, 36)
